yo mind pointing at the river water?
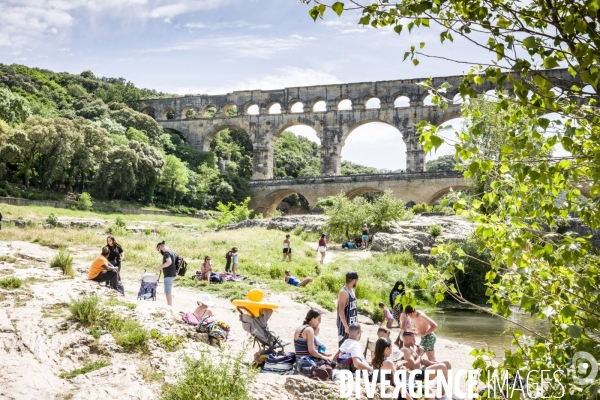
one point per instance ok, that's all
(478, 329)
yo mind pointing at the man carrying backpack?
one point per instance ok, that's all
(169, 268)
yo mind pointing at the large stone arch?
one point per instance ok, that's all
(210, 135)
(356, 124)
(266, 202)
(445, 190)
(354, 193)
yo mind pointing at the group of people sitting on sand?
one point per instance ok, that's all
(361, 241)
(384, 355)
(207, 271)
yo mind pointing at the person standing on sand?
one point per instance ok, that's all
(424, 327)
(365, 236)
(115, 253)
(169, 268)
(347, 309)
(234, 258)
(322, 248)
(287, 249)
(228, 261)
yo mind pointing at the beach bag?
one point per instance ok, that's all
(280, 363)
(324, 372)
(260, 357)
(344, 361)
(191, 319)
(121, 288)
(306, 366)
(215, 278)
(181, 265)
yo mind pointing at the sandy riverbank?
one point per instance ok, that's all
(38, 345)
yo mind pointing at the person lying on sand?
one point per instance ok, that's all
(295, 281)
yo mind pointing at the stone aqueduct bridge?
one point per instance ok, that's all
(419, 187)
(333, 126)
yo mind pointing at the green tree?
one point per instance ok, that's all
(174, 178)
(14, 109)
(149, 168)
(549, 275)
(138, 136)
(89, 152)
(295, 156)
(350, 168)
(386, 210)
(346, 217)
(117, 174)
(443, 163)
(133, 119)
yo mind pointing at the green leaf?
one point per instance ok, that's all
(365, 20)
(415, 62)
(338, 7)
(474, 167)
(503, 23)
(421, 45)
(529, 42)
(550, 62)
(436, 141)
(568, 313)
(575, 331)
(398, 29)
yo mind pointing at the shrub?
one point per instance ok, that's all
(3, 193)
(128, 333)
(64, 261)
(88, 367)
(31, 223)
(169, 343)
(84, 202)
(421, 208)
(472, 282)
(52, 220)
(231, 212)
(11, 282)
(118, 228)
(435, 230)
(228, 378)
(87, 310)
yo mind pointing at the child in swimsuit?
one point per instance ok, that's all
(387, 315)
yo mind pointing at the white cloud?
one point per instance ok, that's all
(25, 22)
(226, 25)
(283, 78)
(240, 46)
(169, 11)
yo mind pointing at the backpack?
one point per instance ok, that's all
(215, 278)
(344, 361)
(280, 363)
(324, 372)
(190, 318)
(181, 265)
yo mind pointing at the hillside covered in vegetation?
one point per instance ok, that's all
(74, 133)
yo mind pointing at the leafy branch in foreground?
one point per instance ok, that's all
(538, 174)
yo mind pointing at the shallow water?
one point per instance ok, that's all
(478, 329)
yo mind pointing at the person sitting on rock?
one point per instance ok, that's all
(202, 311)
(352, 347)
(103, 271)
(305, 343)
(295, 281)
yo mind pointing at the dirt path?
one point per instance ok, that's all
(39, 343)
(334, 252)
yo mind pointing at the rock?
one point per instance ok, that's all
(136, 229)
(395, 243)
(108, 342)
(309, 223)
(423, 237)
(20, 223)
(424, 259)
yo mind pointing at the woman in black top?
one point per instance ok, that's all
(115, 252)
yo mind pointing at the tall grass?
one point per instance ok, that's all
(64, 261)
(87, 310)
(227, 378)
(11, 282)
(88, 367)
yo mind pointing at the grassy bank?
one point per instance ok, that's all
(259, 259)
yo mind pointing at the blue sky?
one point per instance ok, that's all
(217, 46)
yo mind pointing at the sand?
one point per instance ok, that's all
(37, 342)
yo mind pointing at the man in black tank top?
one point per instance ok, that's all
(347, 308)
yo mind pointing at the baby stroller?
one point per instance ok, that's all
(259, 329)
(148, 286)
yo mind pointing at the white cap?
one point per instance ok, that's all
(206, 300)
